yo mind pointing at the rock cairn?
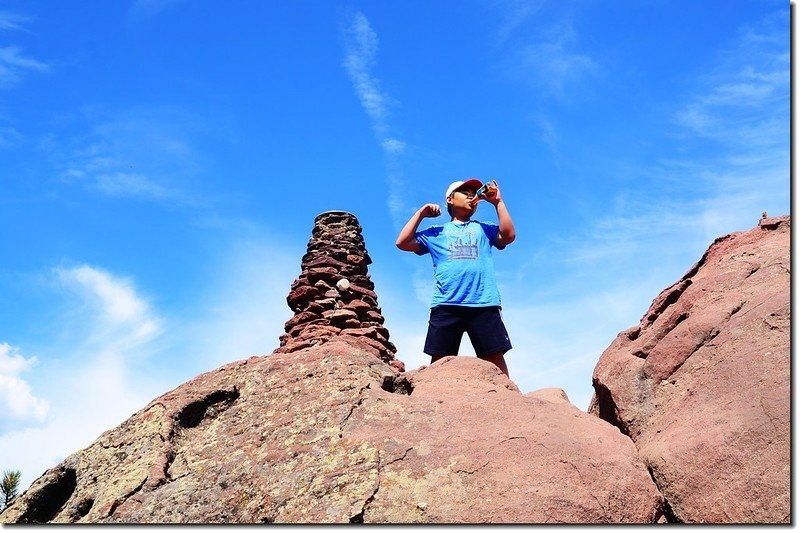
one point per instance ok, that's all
(334, 293)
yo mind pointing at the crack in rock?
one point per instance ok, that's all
(353, 408)
(119, 501)
(607, 408)
(667, 298)
(470, 472)
(710, 335)
(396, 459)
(665, 509)
(358, 518)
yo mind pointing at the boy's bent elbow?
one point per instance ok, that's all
(406, 246)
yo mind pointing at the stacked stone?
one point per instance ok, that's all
(334, 294)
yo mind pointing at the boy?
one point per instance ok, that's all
(465, 297)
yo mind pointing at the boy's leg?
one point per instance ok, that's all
(489, 336)
(445, 329)
(499, 361)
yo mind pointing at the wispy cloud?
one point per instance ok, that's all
(10, 21)
(744, 101)
(144, 154)
(739, 122)
(14, 65)
(9, 136)
(731, 161)
(361, 49)
(116, 183)
(549, 135)
(21, 405)
(550, 59)
(242, 310)
(121, 320)
(515, 13)
(554, 63)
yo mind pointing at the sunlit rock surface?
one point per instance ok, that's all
(701, 385)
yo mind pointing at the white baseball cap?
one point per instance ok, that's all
(473, 183)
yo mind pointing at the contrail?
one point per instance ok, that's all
(361, 50)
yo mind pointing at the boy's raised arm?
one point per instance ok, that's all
(507, 233)
(406, 240)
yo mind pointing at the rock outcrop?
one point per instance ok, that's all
(332, 434)
(702, 384)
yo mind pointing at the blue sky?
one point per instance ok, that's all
(163, 161)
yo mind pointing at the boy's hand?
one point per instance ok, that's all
(430, 210)
(493, 199)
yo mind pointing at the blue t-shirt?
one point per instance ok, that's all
(462, 263)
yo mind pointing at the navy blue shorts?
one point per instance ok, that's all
(484, 325)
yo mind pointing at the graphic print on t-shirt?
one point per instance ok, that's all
(463, 246)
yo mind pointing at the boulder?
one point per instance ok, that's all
(550, 394)
(333, 434)
(702, 384)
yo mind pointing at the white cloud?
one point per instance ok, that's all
(130, 184)
(12, 56)
(742, 109)
(650, 236)
(548, 134)
(732, 164)
(14, 65)
(121, 318)
(20, 403)
(559, 337)
(87, 398)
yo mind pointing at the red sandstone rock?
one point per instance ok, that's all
(302, 295)
(358, 305)
(702, 384)
(551, 394)
(335, 254)
(331, 434)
